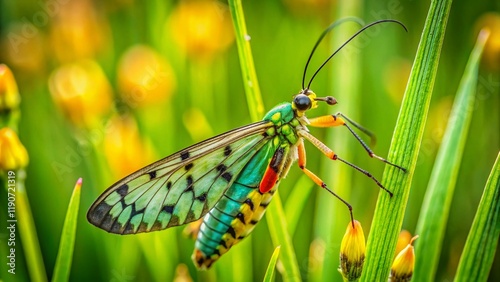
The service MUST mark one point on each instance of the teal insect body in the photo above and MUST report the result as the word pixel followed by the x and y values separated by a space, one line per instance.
pixel 226 181
pixel 243 204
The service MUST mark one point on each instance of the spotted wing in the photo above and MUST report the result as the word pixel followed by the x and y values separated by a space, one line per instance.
pixel 180 188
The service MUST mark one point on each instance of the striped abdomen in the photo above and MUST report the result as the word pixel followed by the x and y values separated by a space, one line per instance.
pixel 236 213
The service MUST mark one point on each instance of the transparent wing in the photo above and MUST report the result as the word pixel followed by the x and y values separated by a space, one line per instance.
pixel 180 188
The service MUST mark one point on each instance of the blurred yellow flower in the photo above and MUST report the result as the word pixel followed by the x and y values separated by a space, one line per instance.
pixel 352 252
pixel 125 151
pixel 9 95
pixel 182 274
pixel 402 267
pixel 78 32
pixel 82 92
pixel 491 53
pixel 24 48
pixel 191 230
pixel 144 77
pixel 13 155
pixel 202 28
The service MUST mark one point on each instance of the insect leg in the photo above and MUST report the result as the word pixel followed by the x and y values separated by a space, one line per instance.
pixel 340 119
pixel 331 155
pixel 302 164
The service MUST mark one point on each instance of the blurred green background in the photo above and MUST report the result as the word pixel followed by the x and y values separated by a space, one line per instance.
pixel 110 86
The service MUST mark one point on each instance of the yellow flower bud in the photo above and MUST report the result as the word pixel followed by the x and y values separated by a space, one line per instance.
pixel 352 252
pixel 403 240
pixel 402 267
pixel 182 274
pixel 9 95
pixel 13 155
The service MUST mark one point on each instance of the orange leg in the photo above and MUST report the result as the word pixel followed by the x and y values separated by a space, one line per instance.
pixel 302 164
pixel 331 155
pixel 339 119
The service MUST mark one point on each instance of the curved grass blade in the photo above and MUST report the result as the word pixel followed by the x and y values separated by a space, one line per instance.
pixel 268 277
pixel 275 213
pixel 405 145
pixel 65 254
pixel 437 202
pixel 480 247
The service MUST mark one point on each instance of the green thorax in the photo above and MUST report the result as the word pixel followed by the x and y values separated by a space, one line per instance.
pixel 285 123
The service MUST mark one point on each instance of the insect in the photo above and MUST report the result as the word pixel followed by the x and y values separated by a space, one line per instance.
pixel 227 180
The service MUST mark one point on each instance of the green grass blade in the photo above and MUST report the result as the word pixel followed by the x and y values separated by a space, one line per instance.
pixel 250 81
pixel 277 227
pixel 275 214
pixel 27 231
pixel 480 247
pixel 272 264
pixel 437 202
pixel 405 145
pixel 65 255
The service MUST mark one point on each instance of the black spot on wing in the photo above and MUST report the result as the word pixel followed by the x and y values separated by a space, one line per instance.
pixel 227 150
pixel 189 181
pixel 168 209
pixel 227 176
pixel 221 168
pixel 169 185
pixel 202 197
pixel 123 190
pixel 152 174
pixel 184 155
pixel 188 166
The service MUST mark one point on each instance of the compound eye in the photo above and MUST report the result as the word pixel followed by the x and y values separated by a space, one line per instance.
pixel 302 102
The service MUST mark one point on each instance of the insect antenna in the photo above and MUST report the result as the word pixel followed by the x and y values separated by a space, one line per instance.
pixel 325 32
